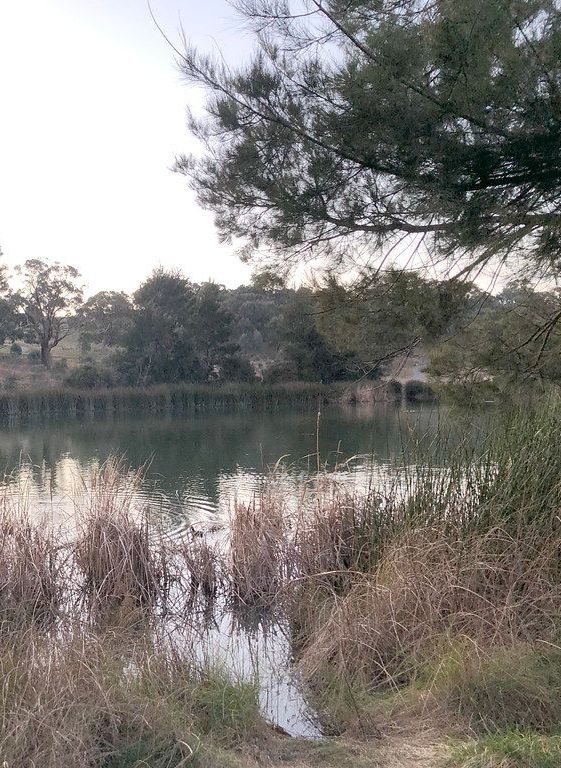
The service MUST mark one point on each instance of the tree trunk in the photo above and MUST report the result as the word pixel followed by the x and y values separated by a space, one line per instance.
pixel 45 355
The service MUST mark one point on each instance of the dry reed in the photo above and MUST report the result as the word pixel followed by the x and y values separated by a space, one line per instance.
pixel 32 562
pixel 492 590
pixel 257 549
pixel 202 561
pixel 336 535
pixel 123 561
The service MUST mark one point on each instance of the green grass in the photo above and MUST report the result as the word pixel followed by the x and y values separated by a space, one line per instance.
pixel 114 701
pixel 518 685
pixel 514 748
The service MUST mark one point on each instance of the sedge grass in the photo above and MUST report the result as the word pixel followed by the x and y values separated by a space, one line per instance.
pixel 162 400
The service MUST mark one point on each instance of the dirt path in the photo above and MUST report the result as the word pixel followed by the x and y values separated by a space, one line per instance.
pixel 406 750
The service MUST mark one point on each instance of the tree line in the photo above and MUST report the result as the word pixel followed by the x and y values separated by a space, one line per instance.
pixel 173 330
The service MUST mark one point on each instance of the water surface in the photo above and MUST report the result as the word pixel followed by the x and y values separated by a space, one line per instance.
pixel 195 467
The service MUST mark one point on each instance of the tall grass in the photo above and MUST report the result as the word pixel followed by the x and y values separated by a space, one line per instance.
pixel 165 399
pixel 119 553
pixel 430 582
pixel 78 700
pixel 463 567
pixel 257 556
pixel 31 571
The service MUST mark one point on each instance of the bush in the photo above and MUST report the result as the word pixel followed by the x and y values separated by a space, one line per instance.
pixel 236 368
pixel 279 372
pixel 15 349
pixel 60 365
pixel 418 392
pixel 10 383
pixel 90 376
pixel 34 356
pixel 395 390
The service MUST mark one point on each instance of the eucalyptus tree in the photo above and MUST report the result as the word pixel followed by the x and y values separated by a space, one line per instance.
pixel 8 308
pixel 105 318
pixel 159 344
pixel 50 295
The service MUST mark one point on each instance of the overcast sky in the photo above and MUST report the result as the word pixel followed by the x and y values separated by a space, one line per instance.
pixel 93 115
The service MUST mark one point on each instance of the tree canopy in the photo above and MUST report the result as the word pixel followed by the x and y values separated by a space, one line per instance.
pixel 363 123
pixel 513 335
pixel 49 296
pixel 105 318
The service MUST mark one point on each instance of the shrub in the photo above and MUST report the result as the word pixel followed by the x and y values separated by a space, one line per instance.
pixel 61 364
pixel 279 372
pixel 34 356
pixel 395 389
pixel 11 383
pixel 15 349
pixel 418 392
pixel 90 376
pixel 236 368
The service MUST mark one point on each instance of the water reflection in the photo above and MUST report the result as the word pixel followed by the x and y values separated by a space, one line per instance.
pixel 196 466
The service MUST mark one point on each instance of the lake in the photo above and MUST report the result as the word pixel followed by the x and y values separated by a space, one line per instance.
pixel 195 467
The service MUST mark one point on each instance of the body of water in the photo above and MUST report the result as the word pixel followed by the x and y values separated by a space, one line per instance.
pixel 195 468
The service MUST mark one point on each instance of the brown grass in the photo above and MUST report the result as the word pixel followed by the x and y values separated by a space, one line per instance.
pixel 202 561
pixel 257 550
pixel 120 555
pixel 78 700
pixel 31 570
pixel 336 536
pixel 428 591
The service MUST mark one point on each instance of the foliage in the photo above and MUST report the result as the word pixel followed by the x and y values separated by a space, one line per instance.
pixel 256 313
pixel 211 328
pixel 90 376
pixel 180 332
pixel 304 348
pixel 384 314
pixel 366 124
pixel 105 319
pixel 158 345
pixel 515 334
pixel 50 294
pixel 8 308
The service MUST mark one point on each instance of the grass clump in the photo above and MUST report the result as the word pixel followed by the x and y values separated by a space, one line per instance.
pixel 257 558
pixel 492 590
pixel 513 748
pixel 338 537
pixel 123 564
pixel 31 566
pixel 516 685
pixel 82 700
pixel 203 563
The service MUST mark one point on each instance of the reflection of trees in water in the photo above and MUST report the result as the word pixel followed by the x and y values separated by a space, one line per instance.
pixel 196 450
